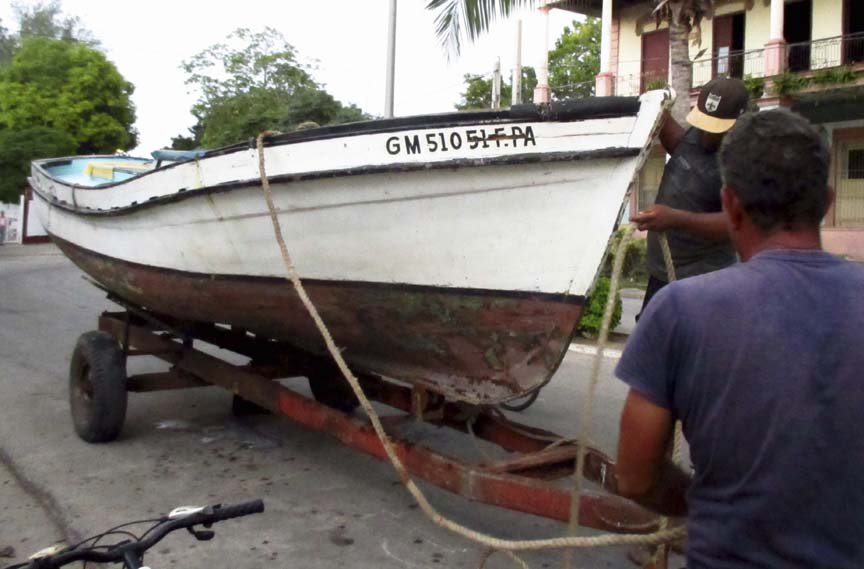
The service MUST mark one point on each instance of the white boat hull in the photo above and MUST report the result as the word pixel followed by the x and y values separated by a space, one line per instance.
pixel 523 218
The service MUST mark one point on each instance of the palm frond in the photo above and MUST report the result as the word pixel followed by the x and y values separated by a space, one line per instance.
pixel 460 19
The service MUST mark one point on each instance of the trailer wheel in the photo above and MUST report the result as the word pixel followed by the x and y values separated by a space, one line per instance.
pixel 522 403
pixel 243 407
pixel 330 388
pixel 97 387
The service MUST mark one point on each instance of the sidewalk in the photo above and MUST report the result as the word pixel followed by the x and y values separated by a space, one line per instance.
pixel 14 250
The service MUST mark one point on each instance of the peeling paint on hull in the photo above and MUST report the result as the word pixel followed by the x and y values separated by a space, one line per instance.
pixel 477 346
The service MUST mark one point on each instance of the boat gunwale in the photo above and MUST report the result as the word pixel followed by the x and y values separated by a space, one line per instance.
pixel 184 193
pixel 568 110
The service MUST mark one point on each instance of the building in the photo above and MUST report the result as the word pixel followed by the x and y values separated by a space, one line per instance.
pixel 804 54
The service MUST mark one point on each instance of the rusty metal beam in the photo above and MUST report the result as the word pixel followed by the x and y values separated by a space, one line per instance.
pixel 493 485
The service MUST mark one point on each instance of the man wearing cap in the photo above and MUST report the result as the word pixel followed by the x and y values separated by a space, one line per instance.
pixel 761 362
pixel 688 207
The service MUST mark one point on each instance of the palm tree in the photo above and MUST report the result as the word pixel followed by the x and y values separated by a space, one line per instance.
pixel 470 18
pixel 685 22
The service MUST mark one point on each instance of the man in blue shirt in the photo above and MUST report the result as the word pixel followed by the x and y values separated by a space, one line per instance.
pixel 763 364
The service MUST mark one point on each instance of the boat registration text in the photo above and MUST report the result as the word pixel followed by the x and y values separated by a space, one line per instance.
pixel 471 139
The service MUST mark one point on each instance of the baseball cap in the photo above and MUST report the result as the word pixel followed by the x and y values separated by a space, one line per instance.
pixel 721 102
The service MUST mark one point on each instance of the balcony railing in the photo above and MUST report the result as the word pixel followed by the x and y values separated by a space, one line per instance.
pixel 738 64
pixel 823 53
pixel 804 56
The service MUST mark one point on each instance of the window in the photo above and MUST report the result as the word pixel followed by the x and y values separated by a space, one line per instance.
pixel 849 207
pixel 855 164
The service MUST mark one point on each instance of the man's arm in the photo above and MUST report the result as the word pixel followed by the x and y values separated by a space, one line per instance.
pixel 671 133
pixel 643 472
pixel 662 218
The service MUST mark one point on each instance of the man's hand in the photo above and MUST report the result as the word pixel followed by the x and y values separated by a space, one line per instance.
pixel 657 218
pixel 660 218
pixel 643 472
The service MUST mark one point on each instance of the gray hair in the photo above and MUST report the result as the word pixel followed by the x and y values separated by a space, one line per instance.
pixel 777 164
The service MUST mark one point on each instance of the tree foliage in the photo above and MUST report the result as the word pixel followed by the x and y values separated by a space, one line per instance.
pixel 458 19
pixel 46 20
pixel 8 44
pixel 71 87
pixel 59 95
pixel 254 82
pixel 575 61
pixel 478 90
pixel 19 147
pixel 573 65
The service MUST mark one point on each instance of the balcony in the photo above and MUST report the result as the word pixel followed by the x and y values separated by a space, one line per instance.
pixel 807 59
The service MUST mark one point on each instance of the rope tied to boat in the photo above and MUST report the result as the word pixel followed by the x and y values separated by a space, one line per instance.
pixel 588 407
pixel 505 545
pixel 661 551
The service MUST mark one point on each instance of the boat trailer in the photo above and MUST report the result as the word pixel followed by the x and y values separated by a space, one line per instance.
pixel 529 480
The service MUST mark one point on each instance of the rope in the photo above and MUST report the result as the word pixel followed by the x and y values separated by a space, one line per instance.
pixel 513 557
pixel 588 406
pixel 678 438
pixel 427 508
pixel 667 257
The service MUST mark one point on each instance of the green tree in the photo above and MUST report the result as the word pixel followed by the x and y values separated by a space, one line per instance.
pixel 478 90
pixel 254 82
pixel 71 87
pixel 8 43
pixel 46 20
pixel 575 61
pixel 19 147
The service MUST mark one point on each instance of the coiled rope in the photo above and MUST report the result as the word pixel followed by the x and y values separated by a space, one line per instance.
pixel 490 542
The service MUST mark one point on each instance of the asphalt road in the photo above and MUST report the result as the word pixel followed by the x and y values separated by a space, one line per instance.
pixel 327 506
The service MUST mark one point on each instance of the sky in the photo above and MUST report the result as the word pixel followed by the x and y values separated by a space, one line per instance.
pixel 345 39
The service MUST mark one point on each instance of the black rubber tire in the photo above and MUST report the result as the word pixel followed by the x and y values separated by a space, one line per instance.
pixel 243 407
pixel 330 388
pixel 522 403
pixel 97 387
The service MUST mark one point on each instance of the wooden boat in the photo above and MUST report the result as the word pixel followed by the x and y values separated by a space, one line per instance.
pixel 452 251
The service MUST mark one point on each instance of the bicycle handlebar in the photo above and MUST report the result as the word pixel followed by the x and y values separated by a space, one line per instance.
pixel 206 517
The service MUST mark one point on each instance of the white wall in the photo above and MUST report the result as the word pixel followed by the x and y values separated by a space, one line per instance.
pixel 13 224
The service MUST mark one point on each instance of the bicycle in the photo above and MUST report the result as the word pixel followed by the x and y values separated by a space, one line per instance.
pixel 131 552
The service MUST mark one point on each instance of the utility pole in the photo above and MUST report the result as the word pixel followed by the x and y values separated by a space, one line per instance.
pixel 516 97
pixel 391 62
pixel 496 85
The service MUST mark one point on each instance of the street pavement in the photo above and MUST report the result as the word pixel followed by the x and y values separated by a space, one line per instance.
pixel 327 506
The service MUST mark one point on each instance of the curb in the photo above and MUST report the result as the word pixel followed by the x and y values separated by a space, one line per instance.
pixel 591 350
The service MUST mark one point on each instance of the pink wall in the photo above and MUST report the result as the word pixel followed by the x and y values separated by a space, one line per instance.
pixel 848 242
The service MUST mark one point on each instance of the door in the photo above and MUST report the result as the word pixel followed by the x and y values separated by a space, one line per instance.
pixel 728 56
pixel 853 32
pixel 797 25
pixel 655 60
pixel 849 206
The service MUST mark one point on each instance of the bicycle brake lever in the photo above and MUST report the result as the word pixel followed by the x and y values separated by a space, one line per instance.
pixel 184 511
pixel 201 535
pixel 48 551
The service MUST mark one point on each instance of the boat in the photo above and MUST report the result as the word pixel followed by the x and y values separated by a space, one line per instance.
pixel 454 252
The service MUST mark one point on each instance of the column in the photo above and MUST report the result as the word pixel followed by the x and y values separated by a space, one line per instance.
pixel 605 79
pixel 775 49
